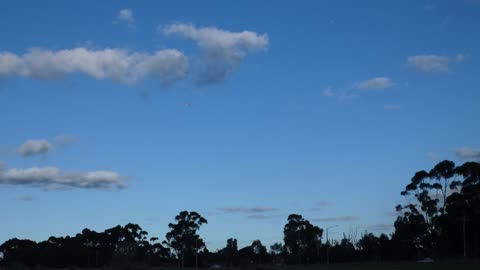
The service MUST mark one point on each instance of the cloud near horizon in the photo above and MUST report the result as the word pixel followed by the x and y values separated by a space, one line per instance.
pixel 52 178
pixel 467 153
pixel 222 50
pixel 248 210
pixel 337 219
pixel 260 216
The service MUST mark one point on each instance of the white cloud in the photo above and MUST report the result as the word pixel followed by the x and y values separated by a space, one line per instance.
pixel 54 178
pixel 64 140
pixel 429 63
pixel 118 65
pixel 222 50
pixel 377 83
pixel 126 16
pixel 467 153
pixel 34 147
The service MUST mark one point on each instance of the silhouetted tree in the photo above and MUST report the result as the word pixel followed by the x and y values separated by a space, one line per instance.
pixel 183 238
pixel 445 206
pixel 230 252
pixel 276 252
pixel 302 239
pixel 369 247
pixel 260 252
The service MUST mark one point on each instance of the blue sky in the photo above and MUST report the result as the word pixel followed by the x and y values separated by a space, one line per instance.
pixel 122 111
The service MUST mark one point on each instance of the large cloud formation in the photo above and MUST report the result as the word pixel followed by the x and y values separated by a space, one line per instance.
pixel 222 50
pixel 115 64
pixel 53 178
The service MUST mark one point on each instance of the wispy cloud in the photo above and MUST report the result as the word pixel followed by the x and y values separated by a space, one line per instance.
pixel 337 219
pixel 328 92
pixel 347 96
pixel 50 178
pixel 354 90
pixel 126 16
pixel 377 83
pixel 321 205
pixel 119 65
pixel 64 140
pixel 434 63
pixel 24 198
pixel 460 57
pixel 222 50
pixel 467 153
pixel 247 210
pixel 34 147
pixel 261 216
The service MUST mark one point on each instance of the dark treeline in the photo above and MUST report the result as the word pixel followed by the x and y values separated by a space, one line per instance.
pixel 440 219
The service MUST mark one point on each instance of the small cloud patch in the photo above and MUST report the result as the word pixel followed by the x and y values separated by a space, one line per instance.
pixel 34 147
pixel 126 16
pixel 24 198
pixel 467 153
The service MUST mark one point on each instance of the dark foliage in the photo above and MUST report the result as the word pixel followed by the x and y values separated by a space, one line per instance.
pixel 441 219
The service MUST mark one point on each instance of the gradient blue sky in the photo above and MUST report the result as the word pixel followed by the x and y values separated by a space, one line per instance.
pixel 329 119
